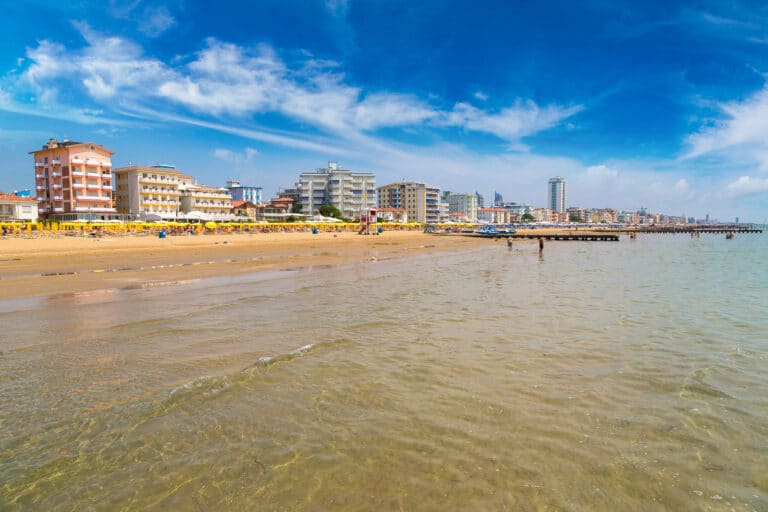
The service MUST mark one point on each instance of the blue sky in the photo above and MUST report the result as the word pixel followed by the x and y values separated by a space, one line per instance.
pixel 662 105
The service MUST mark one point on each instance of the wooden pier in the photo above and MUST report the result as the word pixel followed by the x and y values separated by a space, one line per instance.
pixel 565 237
pixel 718 230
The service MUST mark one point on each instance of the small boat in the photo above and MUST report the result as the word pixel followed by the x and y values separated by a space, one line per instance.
pixel 729 236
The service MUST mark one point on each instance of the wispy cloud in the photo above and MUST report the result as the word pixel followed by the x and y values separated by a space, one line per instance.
pixel 747 186
pixel 224 79
pixel 739 134
pixel 234 157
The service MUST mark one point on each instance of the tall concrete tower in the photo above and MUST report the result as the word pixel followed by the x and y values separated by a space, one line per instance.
pixel 556 196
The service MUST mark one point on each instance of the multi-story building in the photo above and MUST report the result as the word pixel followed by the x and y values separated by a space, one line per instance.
pixel 15 207
pixel 73 180
pixel 203 201
pixel 148 192
pixel 243 192
pixel 556 196
pixel 420 201
pixel 464 204
pixel 350 192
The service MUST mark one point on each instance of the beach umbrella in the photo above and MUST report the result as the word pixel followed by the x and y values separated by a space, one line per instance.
pixel 210 225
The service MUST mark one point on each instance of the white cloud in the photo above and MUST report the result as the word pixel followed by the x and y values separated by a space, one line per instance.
pixel 479 95
pixel 601 172
pixel 233 157
pixel 747 186
pixel 337 7
pixel 156 20
pixel 740 136
pixel 522 119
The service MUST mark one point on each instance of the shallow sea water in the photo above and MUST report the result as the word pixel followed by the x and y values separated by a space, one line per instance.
pixel 600 376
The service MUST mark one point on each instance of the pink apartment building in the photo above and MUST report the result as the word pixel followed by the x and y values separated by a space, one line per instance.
pixel 73 181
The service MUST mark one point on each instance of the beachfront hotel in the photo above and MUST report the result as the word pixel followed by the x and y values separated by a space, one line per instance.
pixel 148 192
pixel 556 196
pixel 73 181
pixel 244 192
pixel 420 201
pixel 350 192
pixel 204 202
pixel 162 192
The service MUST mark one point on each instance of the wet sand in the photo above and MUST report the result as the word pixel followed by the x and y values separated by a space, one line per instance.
pixel 55 265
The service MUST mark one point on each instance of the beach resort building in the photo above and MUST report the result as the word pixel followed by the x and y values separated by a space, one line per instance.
pixel 203 202
pixel 148 192
pixel 391 215
pixel 556 194
pixel 349 191
pixel 243 192
pixel 14 207
pixel 420 201
pixel 73 181
pixel 464 204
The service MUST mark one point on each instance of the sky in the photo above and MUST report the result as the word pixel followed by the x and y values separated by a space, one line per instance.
pixel 660 105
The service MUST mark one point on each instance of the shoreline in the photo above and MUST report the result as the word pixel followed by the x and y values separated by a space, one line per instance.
pixel 52 266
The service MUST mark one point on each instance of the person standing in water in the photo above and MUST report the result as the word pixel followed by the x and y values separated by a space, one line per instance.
pixel 541 244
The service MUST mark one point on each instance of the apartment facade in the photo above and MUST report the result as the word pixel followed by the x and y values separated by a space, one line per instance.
pixel 463 204
pixel 73 181
pixel 146 192
pixel 420 201
pixel 351 192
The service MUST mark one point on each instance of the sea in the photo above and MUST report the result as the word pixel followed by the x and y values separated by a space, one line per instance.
pixel 595 376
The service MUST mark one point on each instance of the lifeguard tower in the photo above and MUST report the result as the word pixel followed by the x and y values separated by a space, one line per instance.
pixel 368 222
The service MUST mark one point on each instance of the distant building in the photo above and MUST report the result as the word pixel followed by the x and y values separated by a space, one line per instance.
pixel 494 215
pixel 480 200
pixel 350 192
pixel 556 197
pixel 73 180
pixel 14 207
pixel 498 199
pixel 148 192
pixel 391 215
pixel 420 201
pixel 465 205
pixel 244 193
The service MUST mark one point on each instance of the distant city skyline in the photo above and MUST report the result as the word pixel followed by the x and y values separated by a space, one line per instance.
pixel 655 105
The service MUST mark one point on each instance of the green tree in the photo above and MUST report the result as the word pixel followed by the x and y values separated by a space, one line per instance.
pixel 575 218
pixel 296 207
pixel 527 217
pixel 328 210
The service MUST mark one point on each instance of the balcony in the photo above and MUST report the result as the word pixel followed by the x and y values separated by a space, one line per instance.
pixel 106 187
pixel 57 209
pixel 91 162
pixel 93 174
pixel 40 176
pixel 93 198
pixel 41 187
pixel 93 186
pixel 56 161
pixel 78 185
pixel 77 173
pixel 106 164
pixel 57 185
pixel 39 164
pixel 56 174
pixel 57 198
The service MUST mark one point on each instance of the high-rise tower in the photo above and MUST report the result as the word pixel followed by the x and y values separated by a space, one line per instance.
pixel 556 199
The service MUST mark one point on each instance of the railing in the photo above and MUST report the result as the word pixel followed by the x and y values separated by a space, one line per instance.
pixel 56 162
pixel 91 161
pixel 39 164
pixel 93 198
pixel 78 185
pixel 41 187
pixel 77 173
pixel 40 176
pixel 93 174
pixel 106 164
pixel 56 174
pixel 57 198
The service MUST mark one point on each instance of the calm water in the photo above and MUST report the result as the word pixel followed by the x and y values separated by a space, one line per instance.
pixel 603 376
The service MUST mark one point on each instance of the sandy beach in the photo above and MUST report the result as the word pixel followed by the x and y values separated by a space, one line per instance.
pixel 55 265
